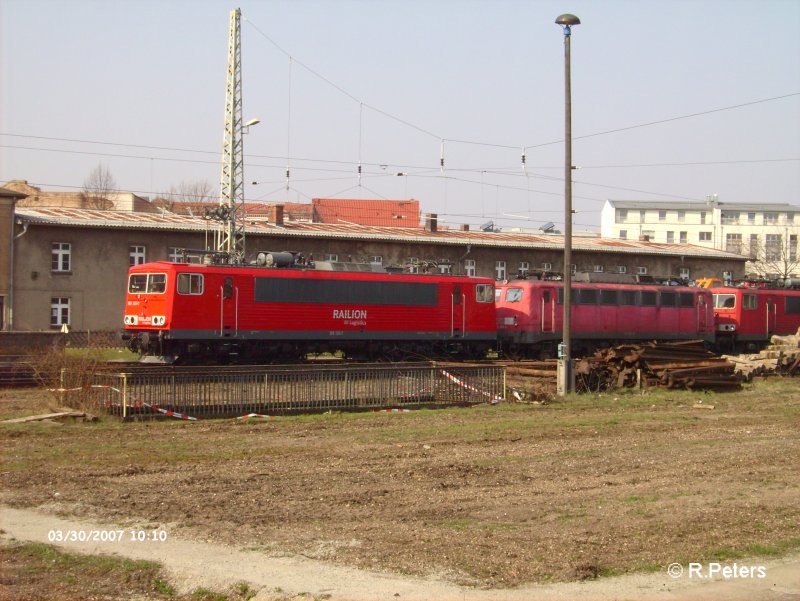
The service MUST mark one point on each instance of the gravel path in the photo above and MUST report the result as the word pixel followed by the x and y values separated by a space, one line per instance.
pixel 194 564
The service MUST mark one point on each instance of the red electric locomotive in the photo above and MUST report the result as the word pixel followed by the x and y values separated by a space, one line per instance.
pixel 530 315
pixel 748 317
pixel 190 312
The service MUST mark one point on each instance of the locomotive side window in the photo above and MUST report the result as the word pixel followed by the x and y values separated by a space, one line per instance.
pixel 792 306
pixel 497 295
pixel 608 297
pixel 586 296
pixel 669 299
pixel 147 283
pixel 227 289
pixel 484 293
pixel 514 295
pixel 627 297
pixel 648 298
pixel 686 299
pixel 724 301
pixel 190 283
pixel 749 301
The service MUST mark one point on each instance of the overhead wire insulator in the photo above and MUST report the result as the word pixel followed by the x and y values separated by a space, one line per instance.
pixel 523 160
pixel 359 174
pixel 287 177
pixel 441 158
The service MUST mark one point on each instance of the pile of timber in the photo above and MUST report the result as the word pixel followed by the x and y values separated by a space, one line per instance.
pixel 684 364
pixel 781 357
pixel 532 381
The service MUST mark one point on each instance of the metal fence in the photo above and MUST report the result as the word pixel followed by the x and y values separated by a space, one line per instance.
pixel 236 391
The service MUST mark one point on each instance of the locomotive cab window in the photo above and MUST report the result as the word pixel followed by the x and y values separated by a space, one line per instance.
pixel 686 299
pixel 147 283
pixel 484 293
pixel 498 294
pixel 724 301
pixel 514 295
pixel 749 301
pixel 190 283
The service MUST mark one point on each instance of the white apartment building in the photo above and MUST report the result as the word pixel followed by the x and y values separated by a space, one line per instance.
pixel 765 233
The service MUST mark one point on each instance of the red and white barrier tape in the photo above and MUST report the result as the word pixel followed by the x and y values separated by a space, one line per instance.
pixel 169 413
pixel 87 387
pixel 492 399
pixel 393 410
pixel 249 415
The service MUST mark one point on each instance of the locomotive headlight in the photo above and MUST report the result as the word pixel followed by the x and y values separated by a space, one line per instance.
pixel 159 320
pixel 131 320
pixel 726 327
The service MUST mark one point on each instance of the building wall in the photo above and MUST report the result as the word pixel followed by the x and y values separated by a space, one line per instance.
pixel 714 226
pixel 6 236
pixel 96 282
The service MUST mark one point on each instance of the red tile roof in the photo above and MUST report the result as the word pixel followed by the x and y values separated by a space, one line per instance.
pixel 382 213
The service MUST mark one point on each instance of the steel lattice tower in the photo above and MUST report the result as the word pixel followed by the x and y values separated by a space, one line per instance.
pixel 230 232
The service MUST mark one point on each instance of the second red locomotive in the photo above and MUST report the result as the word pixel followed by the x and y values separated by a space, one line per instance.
pixel 530 315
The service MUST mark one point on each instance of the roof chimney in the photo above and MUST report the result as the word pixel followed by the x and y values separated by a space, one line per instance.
pixel 431 222
pixel 464 227
pixel 276 214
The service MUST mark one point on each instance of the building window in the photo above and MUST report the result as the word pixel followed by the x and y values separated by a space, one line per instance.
pixel 793 247
pixel 622 215
pixel 413 265
pixel 790 218
pixel 175 254
pixel 684 237
pixel 772 247
pixel 754 246
pixel 670 237
pixel 59 312
pixel 136 254
pixel 702 216
pixel 547 267
pixel 704 236
pixel 60 258
pixel 727 277
pixel 500 270
pixel 684 273
pixel 730 217
pixel 733 243
pixel 751 218
pixel 642 215
pixel 331 258
pixel 770 218
pixel 623 234
pixel 574 269
pixel 598 269
pixel 641 270
pixel 444 267
pixel 649 234
pixel 622 269
pixel 681 216
pixel 377 259
pixel 524 268
pixel 662 215
pixel 469 267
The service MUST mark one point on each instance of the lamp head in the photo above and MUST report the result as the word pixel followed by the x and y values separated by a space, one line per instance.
pixel 568 20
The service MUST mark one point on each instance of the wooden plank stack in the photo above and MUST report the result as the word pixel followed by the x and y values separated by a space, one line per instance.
pixel 781 357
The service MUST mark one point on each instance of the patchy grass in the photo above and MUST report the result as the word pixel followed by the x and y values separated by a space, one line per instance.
pixel 497 496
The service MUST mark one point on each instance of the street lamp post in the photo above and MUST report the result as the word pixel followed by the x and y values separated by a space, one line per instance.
pixel 567 21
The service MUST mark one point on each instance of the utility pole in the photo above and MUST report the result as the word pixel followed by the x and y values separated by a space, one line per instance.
pixel 229 237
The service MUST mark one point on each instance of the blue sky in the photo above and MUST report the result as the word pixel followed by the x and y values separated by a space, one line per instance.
pixel 147 79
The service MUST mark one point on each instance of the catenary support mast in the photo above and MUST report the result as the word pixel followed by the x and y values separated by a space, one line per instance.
pixel 230 231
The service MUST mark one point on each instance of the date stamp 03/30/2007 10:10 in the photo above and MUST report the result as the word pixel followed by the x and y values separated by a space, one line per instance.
pixel 120 535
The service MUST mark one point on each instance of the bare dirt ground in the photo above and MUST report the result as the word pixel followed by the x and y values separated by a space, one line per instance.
pixel 484 501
